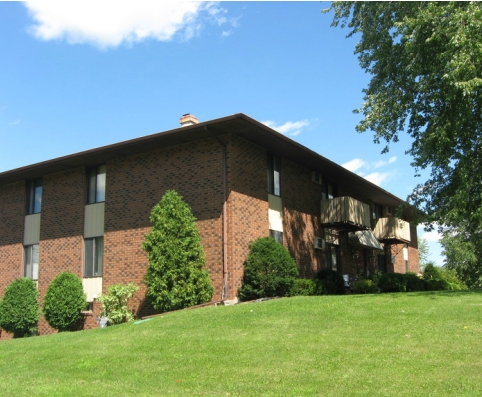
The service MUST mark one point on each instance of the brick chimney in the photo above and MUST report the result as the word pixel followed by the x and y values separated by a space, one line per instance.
pixel 188 119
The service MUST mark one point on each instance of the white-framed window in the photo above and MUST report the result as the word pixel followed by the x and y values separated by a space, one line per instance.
pixel 93 256
pixel 96 179
pixel 274 169
pixel 31 260
pixel 34 196
pixel 278 236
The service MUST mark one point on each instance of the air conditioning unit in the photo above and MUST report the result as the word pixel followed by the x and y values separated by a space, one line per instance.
pixel 319 243
pixel 316 177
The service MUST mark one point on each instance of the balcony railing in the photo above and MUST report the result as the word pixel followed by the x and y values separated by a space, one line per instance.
pixel 392 229
pixel 345 213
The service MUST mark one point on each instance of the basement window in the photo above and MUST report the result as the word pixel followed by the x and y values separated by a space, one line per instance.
pixel 93 256
pixel 31 255
pixel 278 236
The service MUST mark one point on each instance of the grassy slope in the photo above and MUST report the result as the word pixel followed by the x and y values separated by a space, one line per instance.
pixel 379 345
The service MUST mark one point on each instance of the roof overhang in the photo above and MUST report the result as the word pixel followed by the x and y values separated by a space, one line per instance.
pixel 237 124
pixel 365 239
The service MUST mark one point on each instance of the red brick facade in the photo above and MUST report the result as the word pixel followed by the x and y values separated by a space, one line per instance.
pixel 205 172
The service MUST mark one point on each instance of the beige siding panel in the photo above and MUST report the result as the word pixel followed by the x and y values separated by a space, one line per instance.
pixel 31 233
pixel 392 228
pixel 275 213
pixel 92 288
pixel 94 220
pixel 345 210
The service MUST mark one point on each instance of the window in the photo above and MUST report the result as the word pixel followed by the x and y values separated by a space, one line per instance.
pixel 377 211
pixel 274 166
pixel 278 236
pixel 30 266
pixel 93 256
pixel 34 196
pixel 332 257
pixel 328 191
pixel 96 184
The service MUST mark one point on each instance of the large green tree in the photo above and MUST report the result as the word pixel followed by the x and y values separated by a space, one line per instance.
pixel 425 59
pixel 463 253
pixel 176 277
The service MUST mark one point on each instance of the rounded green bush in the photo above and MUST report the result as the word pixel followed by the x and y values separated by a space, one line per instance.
pixel 392 282
pixel 365 287
pixel 64 302
pixel 19 308
pixel 414 283
pixel 332 282
pixel 303 287
pixel 269 270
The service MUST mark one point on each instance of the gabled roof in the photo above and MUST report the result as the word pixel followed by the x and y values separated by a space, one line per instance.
pixel 237 124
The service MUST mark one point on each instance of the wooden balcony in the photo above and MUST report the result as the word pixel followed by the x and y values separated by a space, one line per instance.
pixel 345 213
pixel 392 230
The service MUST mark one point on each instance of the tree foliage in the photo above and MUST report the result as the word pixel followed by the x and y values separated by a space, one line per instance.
pixel 64 302
pixel 423 252
pixel 175 277
pixel 464 255
pixel 19 308
pixel 425 59
pixel 269 270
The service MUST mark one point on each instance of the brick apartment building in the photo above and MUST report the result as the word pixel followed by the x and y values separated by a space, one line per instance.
pixel 88 212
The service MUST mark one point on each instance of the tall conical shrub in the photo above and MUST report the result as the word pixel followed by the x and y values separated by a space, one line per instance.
pixel 175 277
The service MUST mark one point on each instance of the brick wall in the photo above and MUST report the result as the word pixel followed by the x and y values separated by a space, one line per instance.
pixel 136 183
pixel 12 219
pixel 61 229
pixel 247 205
pixel 301 213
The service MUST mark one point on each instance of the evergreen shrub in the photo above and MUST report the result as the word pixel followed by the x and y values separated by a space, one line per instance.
pixel 331 281
pixel 434 280
pixel 64 302
pixel 303 287
pixel 365 287
pixel 176 276
pixel 414 282
pixel 392 282
pixel 269 270
pixel 114 303
pixel 19 308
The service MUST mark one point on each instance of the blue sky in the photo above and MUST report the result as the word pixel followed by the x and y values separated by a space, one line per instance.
pixel 78 75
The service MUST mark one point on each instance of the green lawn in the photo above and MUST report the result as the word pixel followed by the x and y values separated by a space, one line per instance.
pixel 414 344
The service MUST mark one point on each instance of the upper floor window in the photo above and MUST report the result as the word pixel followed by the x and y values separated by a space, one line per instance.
pixel 93 256
pixel 96 184
pixel 34 196
pixel 274 167
pixel 30 265
pixel 328 191
pixel 377 211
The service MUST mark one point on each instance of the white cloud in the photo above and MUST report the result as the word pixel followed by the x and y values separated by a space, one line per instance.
pixel 109 23
pixel 14 122
pixel 378 177
pixel 432 235
pixel 292 128
pixel 382 163
pixel 354 165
